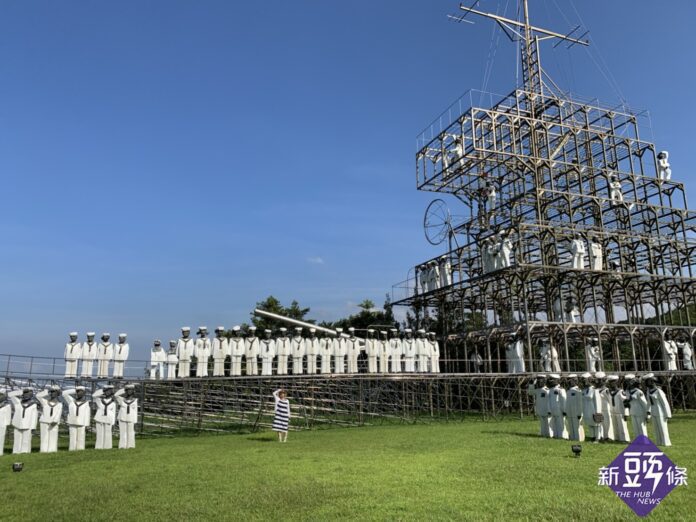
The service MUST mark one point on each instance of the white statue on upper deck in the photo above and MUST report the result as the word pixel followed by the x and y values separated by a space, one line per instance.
pixel 664 172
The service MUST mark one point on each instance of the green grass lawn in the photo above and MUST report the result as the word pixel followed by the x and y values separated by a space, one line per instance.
pixel 470 470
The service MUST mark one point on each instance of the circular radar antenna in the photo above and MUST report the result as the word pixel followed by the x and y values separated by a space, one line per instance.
pixel 437 222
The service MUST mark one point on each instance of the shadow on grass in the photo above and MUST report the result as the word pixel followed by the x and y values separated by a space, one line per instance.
pixel 515 433
pixel 260 439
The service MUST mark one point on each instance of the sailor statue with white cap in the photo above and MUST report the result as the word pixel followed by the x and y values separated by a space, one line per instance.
pixel 409 347
pixel 104 416
pixel 24 419
pixel 283 351
pixel 326 352
pixel 537 389
pixel 5 417
pixel 202 350
pixel 619 412
pixel 339 350
pixel 237 350
pixel 127 416
pixel 49 421
pixel 383 352
pixel 220 352
pixel 557 407
pixel 268 352
pixel 353 351
pixel 313 349
pixel 591 409
pixel 664 170
pixel 669 353
pixel 105 354
pixel 445 271
pixel 371 349
pixel 172 360
pixel 605 400
pixel 422 352
pixel 79 415
pixel 578 250
pixel 659 410
pixel 121 351
pixel 687 353
pixel 574 409
pixel 592 355
pixel 638 407
pixel 73 352
pixel 297 348
pixel 251 352
pixel 158 358
pixel 434 353
pixel 89 354
pixel 184 351
pixel 395 350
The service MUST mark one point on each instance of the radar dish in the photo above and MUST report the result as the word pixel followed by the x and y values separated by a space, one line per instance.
pixel 437 222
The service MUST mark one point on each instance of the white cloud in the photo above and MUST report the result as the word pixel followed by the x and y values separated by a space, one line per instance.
pixel 316 260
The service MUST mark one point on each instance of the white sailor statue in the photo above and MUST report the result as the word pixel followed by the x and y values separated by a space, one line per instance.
pixel 158 358
pixel 283 351
pixel 89 354
pixel 660 410
pixel 605 402
pixel 127 416
pixel 574 409
pixel 49 421
pixel 339 350
pixel 251 352
pixel 664 171
pixel 326 347
pixel 637 404
pixel 591 409
pixel 104 416
pixel 353 351
pixel 434 353
pixel 202 350
pixel 172 360
pixel 395 350
pixel 383 352
pixel 220 352
pixel 578 251
pixel 297 348
pixel 267 351
pixel 313 348
pixel 121 351
pixel 105 354
pixel 409 347
pixel 371 348
pixel 184 352
pixel 619 412
pixel 79 416
pixel 73 352
pixel 237 350
pixel 557 407
pixel 24 419
pixel 5 417
pixel 538 389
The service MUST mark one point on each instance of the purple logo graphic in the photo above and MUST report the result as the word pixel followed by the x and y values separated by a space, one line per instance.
pixel 642 475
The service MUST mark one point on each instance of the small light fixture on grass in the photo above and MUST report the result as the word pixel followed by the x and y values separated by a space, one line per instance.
pixel 17 466
pixel 577 449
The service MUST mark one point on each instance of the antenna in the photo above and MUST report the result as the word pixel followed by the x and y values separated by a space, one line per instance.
pixel 531 36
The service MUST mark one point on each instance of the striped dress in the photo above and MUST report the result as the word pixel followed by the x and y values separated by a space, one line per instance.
pixel 282 414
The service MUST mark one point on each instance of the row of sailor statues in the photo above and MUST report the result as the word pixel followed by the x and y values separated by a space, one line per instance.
pixel 433 275
pixel 104 353
pixel 241 354
pixel 50 407
pixel 602 405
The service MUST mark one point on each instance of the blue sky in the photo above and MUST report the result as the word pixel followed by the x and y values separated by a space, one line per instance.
pixel 173 162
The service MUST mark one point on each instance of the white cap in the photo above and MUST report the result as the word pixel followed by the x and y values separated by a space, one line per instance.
pixel 431 333
pixel 351 329
pixel 203 328
pixel 109 386
pixel 647 376
pixel 573 376
pixel 185 328
pixel 421 331
pixel 91 334
pixel 554 376
pixel 312 330
pixel 106 334
pixel 630 376
pixel 541 376
pixel 267 331
pixel 393 330
pixel 408 330
pixel 80 388
pixel 371 330
pixel 613 378
pixel 123 335
pixel 586 375
pixel 220 329
pixel 157 341
pixel 383 332
pixel 129 386
pixel 283 329
pixel 298 328
pixel 339 330
pixel 73 334
pixel 252 328
pixel 235 328
pixel 54 388
pixel 600 375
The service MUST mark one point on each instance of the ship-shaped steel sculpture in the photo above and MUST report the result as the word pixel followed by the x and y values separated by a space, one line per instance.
pixel 574 236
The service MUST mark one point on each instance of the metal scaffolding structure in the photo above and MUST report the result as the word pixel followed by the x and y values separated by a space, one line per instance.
pixel 563 169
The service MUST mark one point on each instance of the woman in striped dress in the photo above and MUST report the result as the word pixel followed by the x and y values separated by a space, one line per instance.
pixel 282 415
